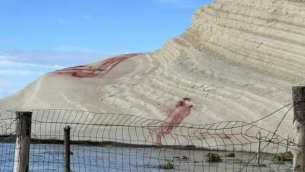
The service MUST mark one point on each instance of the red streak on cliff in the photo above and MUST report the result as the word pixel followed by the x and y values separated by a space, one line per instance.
pixel 95 70
pixel 173 119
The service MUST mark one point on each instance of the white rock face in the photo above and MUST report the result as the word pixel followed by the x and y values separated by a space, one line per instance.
pixel 236 62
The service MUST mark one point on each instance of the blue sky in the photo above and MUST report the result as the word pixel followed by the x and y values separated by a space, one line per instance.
pixel 38 36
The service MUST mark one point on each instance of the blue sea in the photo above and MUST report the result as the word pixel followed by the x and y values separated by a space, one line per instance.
pixel 50 158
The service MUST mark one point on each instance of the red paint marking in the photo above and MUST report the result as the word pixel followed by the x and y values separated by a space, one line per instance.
pixel 274 146
pixel 245 144
pixel 95 70
pixel 181 110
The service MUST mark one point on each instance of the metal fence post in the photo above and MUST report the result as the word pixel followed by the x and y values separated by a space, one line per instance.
pixel 23 141
pixel 298 95
pixel 259 136
pixel 67 148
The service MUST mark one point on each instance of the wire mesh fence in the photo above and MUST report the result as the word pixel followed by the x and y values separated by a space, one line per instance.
pixel 117 142
pixel 7 149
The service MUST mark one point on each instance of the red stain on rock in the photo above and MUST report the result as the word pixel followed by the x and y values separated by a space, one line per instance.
pixel 274 146
pixel 95 70
pixel 245 144
pixel 181 110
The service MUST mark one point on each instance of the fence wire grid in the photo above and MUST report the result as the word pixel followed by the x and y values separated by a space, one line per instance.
pixel 116 142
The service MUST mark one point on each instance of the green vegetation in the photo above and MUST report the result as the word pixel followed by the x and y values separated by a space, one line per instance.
pixel 167 166
pixel 287 156
pixel 212 157
pixel 232 154
pixel 184 157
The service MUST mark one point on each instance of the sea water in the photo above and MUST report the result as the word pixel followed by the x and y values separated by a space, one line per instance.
pixel 50 158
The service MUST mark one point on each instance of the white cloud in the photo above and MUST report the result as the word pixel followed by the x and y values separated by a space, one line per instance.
pixel 49 58
pixel 7 72
pixel 4 83
pixel 7 63
pixel 18 68
pixel 3 92
pixel 7 87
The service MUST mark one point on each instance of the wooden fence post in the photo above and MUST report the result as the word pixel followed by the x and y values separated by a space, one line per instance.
pixel 67 148
pixel 298 95
pixel 259 136
pixel 23 140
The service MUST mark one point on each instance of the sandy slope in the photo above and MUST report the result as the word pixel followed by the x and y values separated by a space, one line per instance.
pixel 237 61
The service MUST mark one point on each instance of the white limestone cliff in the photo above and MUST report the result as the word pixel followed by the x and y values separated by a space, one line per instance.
pixel 237 61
